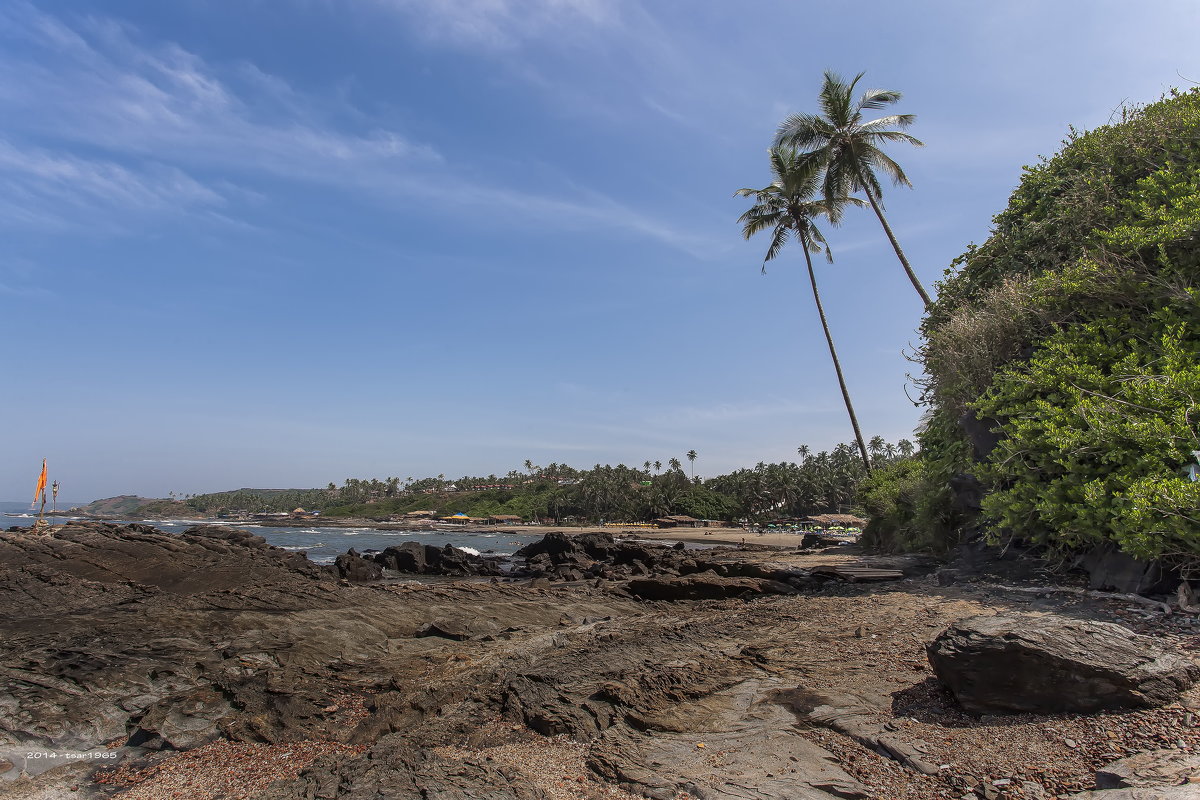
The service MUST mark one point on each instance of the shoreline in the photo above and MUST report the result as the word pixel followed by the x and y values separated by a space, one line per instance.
pixel 703 535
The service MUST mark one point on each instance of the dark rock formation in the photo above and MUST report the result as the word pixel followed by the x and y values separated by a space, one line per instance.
pixel 704 586
pixel 659 572
pixel 360 569
pixel 1052 664
pixel 408 557
pixel 1112 570
pixel 414 558
pixel 563 547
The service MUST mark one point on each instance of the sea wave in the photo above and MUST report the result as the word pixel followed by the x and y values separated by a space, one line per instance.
pixel 302 547
pixel 470 550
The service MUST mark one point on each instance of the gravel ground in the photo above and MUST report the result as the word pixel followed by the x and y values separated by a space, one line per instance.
pixel 554 764
pixel 218 771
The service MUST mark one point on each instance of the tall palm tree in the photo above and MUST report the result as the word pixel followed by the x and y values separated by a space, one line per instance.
pixel 691 456
pixel 787 207
pixel 850 148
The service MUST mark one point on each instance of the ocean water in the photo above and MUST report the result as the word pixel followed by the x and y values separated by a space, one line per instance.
pixel 323 545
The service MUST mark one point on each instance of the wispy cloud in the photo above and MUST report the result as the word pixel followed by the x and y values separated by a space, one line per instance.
pixel 161 99
pixel 54 189
pixel 167 120
pixel 503 24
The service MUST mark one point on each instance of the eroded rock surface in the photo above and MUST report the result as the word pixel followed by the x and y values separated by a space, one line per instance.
pixel 124 635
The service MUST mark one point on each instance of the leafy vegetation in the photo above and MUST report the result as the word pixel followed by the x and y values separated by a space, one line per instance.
pixel 820 483
pixel 1062 353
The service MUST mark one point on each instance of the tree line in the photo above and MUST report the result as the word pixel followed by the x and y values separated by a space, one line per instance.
pixel 819 482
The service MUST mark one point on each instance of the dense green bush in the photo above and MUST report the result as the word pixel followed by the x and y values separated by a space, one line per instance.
pixel 1073 334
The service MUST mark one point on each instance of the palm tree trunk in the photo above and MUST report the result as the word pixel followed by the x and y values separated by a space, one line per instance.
pixel 912 276
pixel 837 365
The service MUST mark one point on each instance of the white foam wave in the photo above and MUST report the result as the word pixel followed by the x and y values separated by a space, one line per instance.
pixel 470 550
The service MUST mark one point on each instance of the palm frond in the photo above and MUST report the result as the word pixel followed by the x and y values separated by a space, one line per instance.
pixel 777 242
pixel 884 163
pixel 897 136
pixel 748 192
pixel 876 99
pixel 891 121
pixel 834 98
pixel 840 179
pixel 832 207
pixel 758 219
pixel 803 131
pixel 814 240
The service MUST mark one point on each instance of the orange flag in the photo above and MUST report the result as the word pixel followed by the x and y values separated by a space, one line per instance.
pixel 40 491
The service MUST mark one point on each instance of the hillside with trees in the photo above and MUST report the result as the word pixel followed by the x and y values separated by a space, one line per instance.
pixel 819 482
pixel 1061 358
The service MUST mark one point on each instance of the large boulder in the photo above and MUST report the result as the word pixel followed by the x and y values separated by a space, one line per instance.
pixel 560 548
pixel 1050 664
pixel 353 567
pixel 408 557
pixel 415 558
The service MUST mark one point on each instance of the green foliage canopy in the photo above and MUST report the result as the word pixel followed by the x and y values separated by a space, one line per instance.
pixel 1073 333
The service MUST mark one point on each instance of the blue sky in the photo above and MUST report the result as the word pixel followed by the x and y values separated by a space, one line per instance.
pixel 279 244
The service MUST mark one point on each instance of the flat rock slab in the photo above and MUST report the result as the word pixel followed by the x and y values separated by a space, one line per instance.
pixel 704 586
pixel 858 574
pixel 743 745
pixel 1143 793
pixel 1051 664
pixel 1152 768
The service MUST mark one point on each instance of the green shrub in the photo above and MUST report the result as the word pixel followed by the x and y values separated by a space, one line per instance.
pixel 1074 329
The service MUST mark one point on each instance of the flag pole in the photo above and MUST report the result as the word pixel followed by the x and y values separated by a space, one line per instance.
pixel 40 491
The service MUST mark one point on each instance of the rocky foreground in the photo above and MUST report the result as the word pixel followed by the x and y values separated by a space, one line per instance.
pixel 138 664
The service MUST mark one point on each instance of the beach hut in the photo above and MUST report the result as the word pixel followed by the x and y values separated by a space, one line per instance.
pixel 834 520
pixel 677 521
pixel 503 519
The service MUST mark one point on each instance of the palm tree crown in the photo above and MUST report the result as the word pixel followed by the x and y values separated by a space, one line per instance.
pixel 849 147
